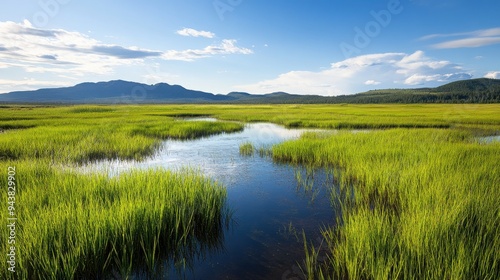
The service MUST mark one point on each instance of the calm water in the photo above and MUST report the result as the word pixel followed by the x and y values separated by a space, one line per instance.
pixel 264 240
pixel 489 139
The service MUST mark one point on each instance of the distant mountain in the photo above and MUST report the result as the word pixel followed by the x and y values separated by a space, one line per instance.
pixel 124 92
pixel 474 85
pixel 112 92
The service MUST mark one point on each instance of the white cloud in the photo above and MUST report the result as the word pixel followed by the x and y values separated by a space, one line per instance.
pixel 43 50
pixel 493 75
pixel 361 73
pixel 195 33
pixel 226 47
pixel 474 39
pixel 29 84
pixel 372 83
pixel 59 52
pixel 478 33
pixel 468 43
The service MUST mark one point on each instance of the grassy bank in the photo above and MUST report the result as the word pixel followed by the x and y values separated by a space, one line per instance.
pixel 72 225
pixel 80 134
pixel 424 204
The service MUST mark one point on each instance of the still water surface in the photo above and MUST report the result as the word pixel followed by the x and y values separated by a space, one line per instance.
pixel 270 209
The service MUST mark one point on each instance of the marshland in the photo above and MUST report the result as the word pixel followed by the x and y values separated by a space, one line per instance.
pixel 304 191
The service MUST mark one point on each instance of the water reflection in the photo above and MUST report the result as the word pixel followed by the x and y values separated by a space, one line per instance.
pixel 272 204
pixel 175 264
pixel 489 139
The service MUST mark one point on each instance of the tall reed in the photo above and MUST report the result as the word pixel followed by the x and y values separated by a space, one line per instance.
pixel 425 204
pixel 74 225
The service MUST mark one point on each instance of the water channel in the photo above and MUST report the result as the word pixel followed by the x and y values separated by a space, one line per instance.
pixel 271 208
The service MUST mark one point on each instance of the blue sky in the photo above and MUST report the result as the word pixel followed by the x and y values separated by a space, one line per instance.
pixel 325 47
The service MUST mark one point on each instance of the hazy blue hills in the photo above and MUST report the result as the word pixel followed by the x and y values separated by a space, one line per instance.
pixel 124 92
pixel 112 92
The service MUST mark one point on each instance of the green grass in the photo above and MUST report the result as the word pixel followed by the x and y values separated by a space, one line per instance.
pixel 74 225
pixel 81 134
pixel 349 116
pixel 425 204
pixel 419 199
pixel 247 149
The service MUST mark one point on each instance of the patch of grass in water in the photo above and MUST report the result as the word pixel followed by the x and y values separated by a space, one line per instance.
pixel 247 149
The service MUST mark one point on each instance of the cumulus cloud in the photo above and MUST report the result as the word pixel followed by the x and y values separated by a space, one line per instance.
pixel 474 39
pixel 28 84
pixel 372 83
pixel 75 54
pixel 361 73
pixel 226 47
pixel 493 75
pixel 61 51
pixel 195 33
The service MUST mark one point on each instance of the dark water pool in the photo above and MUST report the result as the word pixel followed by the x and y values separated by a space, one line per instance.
pixel 270 207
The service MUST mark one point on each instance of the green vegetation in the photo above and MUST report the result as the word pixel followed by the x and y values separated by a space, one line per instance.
pixel 81 134
pixel 305 183
pixel 247 149
pixel 468 91
pixel 419 198
pixel 73 225
pixel 416 204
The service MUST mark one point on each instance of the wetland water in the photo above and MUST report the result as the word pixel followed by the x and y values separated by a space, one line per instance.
pixel 270 208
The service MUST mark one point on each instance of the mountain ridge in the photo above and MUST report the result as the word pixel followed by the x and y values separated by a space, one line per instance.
pixel 480 90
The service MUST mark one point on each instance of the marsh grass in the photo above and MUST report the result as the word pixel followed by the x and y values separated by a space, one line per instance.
pixel 416 203
pixel 305 176
pixel 86 226
pixel 425 204
pixel 265 151
pixel 89 133
pixel 247 149
pixel 91 109
pixel 289 231
pixel 73 225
